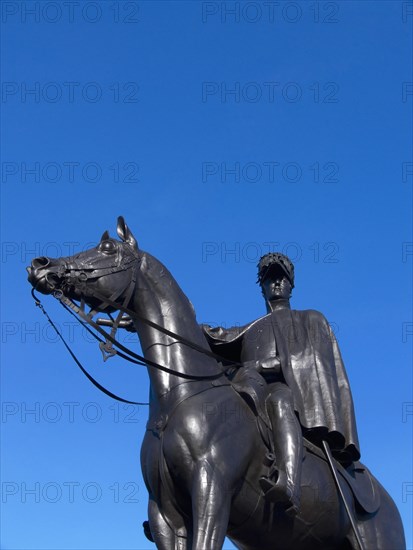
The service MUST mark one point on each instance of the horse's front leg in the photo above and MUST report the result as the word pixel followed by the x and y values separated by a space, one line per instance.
pixel 211 502
pixel 163 531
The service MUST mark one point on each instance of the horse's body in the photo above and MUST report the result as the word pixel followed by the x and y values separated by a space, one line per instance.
pixel 202 454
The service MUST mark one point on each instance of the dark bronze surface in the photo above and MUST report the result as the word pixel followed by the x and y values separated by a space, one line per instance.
pixel 208 468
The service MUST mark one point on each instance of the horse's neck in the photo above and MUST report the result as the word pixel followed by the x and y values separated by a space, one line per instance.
pixel 159 299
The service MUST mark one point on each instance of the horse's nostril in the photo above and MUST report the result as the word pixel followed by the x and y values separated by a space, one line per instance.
pixel 40 262
pixel 52 279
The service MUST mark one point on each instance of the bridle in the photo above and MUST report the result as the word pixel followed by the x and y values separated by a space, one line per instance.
pixel 74 274
pixel 79 276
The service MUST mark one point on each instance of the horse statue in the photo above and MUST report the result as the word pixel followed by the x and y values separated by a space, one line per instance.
pixel 202 455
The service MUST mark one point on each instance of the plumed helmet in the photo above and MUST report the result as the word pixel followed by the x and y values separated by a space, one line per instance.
pixel 269 262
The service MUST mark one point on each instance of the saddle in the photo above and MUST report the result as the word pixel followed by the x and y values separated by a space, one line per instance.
pixel 359 479
pixel 253 389
pixel 251 386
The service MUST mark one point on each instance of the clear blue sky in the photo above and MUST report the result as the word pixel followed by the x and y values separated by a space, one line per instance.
pixel 220 131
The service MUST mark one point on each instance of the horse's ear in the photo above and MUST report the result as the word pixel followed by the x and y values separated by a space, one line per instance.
pixel 105 236
pixel 125 233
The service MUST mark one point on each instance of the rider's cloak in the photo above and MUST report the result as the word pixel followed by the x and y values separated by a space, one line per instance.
pixel 311 365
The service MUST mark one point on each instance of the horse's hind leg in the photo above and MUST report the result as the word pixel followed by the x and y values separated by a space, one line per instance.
pixel 164 533
pixel 210 507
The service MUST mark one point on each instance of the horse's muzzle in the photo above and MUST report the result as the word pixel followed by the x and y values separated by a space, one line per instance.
pixel 44 275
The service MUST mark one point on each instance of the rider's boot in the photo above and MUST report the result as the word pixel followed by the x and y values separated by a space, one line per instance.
pixel 283 484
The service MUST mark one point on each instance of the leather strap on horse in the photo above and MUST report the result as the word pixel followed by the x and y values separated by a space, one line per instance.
pixel 81 274
pixel 106 345
pixel 130 313
pixel 142 360
pixel 88 376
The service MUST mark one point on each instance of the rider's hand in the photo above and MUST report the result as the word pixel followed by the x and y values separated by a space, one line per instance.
pixel 270 365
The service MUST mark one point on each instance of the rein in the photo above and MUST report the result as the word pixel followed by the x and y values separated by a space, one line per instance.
pixel 78 363
pixel 79 275
pixel 106 345
pixel 125 310
pixel 74 274
pixel 67 303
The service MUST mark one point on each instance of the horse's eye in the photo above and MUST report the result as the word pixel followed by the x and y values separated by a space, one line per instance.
pixel 108 246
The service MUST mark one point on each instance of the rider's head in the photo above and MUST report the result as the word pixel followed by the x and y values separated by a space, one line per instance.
pixel 276 276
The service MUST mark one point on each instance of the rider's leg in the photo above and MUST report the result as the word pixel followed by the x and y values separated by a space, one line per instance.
pixel 288 446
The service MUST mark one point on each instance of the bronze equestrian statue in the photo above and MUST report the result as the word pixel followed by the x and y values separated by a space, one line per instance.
pixel 232 447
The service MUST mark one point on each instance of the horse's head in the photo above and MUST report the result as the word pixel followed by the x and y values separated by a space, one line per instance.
pixel 106 271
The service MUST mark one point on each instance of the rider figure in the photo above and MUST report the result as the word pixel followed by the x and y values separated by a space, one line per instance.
pixel 298 356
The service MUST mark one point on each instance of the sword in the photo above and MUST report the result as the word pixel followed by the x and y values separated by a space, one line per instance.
pixel 340 490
